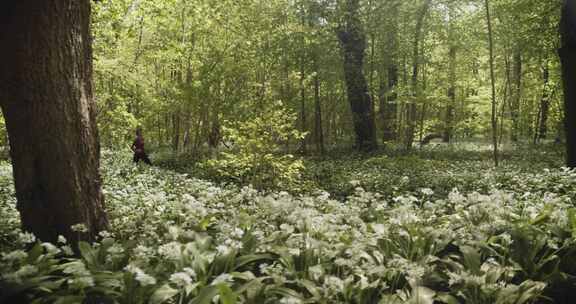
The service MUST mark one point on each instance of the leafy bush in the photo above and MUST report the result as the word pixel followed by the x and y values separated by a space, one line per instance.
pixel 255 154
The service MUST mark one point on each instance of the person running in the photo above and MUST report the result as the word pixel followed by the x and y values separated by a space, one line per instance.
pixel 138 148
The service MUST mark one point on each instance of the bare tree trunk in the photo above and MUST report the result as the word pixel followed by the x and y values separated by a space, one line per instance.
pixel 452 97
pixel 303 122
pixel 412 109
pixel 568 58
pixel 452 75
pixel 493 85
pixel 46 97
pixel 318 132
pixel 516 94
pixel 424 108
pixel 544 104
pixel 176 134
pixel 214 137
pixel 353 42
pixel 388 94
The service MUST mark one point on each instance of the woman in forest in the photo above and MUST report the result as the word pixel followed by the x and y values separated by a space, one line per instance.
pixel 138 148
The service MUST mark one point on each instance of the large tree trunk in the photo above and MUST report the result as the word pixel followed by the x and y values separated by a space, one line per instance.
pixel 353 42
pixel 46 98
pixel 568 58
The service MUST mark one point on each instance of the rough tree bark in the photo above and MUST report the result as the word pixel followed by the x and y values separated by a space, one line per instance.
pixel 353 42
pixel 567 54
pixel 46 98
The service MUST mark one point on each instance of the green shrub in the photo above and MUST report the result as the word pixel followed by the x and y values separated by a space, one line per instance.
pixel 255 155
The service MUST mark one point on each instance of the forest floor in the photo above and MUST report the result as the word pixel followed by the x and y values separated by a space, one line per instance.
pixel 440 225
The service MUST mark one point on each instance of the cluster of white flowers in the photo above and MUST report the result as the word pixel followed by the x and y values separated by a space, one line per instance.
pixel 27 238
pixel 140 276
pixel 24 272
pixel 181 279
pixel 171 251
pixel 368 240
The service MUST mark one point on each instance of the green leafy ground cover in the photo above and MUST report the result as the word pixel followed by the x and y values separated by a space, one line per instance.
pixel 433 227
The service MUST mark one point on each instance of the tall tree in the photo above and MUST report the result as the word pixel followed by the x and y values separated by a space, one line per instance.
pixel 516 93
pixel 412 109
pixel 568 58
pixel 46 98
pixel 494 121
pixel 452 77
pixel 353 42
pixel 542 129
pixel 318 131
pixel 388 90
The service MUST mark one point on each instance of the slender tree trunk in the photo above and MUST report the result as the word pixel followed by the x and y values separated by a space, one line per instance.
pixel 412 108
pixel 493 85
pixel 568 59
pixel 318 132
pixel 214 136
pixel 451 96
pixel 544 104
pixel 452 75
pixel 388 94
pixel 176 134
pixel 516 94
pixel 303 123
pixel 46 97
pixel 353 43
pixel 424 108
pixel 390 108
pixel 139 46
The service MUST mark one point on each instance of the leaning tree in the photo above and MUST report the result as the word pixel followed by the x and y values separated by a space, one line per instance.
pixel 46 98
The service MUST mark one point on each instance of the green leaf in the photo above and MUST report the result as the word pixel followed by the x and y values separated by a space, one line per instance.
pixel 446 298
pixel 206 295
pixel 248 259
pixel 227 296
pixel 311 287
pixel 422 295
pixel 34 253
pixel 69 300
pixel 471 258
pixel 544 216
pixel 86 252
pixel 162 294
pixel 285 292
